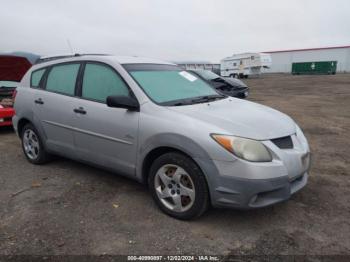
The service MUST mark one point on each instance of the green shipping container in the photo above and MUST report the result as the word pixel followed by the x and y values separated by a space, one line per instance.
pixel 310 68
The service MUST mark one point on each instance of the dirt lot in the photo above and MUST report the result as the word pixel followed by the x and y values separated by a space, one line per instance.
pixel 65 207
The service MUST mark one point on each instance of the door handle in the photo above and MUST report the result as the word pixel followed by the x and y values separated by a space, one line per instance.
pixel 79 110
pixel 39 101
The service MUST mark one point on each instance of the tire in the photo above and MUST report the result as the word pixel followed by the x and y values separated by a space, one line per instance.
pixel 184 194
pixel 32 146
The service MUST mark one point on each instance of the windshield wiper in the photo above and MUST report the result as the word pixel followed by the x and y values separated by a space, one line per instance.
pixel 179 104
pixel 207 98
pixel 189 101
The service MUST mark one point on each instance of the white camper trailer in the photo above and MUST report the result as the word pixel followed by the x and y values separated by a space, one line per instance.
pixel 243 65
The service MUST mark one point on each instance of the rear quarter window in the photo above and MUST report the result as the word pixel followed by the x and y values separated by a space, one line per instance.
pixel 36 77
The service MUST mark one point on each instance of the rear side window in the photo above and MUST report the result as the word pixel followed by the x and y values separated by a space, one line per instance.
pixel 101 81
pixel 62 78
pixel 36 77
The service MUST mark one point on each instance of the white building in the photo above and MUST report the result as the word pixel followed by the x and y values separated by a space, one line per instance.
pixel 192 65
pixel 282 60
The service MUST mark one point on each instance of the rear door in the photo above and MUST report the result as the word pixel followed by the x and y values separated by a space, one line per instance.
pixel 54 105
pixel 103 135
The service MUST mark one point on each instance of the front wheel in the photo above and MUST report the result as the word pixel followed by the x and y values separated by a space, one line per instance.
pixel 178 186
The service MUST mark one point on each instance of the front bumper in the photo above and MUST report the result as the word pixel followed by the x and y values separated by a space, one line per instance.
pixel 6 115
pixel 247 185
pixel 256 193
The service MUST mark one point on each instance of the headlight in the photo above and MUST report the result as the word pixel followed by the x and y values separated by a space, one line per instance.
pixel 247 149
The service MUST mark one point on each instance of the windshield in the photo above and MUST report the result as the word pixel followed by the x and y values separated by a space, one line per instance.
pixel 7 84
pixel 206 74
pixel 170 85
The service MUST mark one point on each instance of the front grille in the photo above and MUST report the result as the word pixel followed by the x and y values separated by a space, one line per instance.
pixel 283 142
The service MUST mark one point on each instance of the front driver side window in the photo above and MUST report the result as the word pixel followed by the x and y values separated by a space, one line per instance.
pixel 101 81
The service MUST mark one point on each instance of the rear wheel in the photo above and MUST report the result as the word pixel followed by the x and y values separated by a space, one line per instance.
pixel 178 186
pixel 32 145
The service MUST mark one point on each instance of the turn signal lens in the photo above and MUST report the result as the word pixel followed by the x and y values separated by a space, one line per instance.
pixel 14 95
pixel 224 141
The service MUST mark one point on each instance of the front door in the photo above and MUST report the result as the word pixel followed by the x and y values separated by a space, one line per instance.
pixel 103 135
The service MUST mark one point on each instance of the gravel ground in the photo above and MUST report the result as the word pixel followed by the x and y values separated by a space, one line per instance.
pixel 66 207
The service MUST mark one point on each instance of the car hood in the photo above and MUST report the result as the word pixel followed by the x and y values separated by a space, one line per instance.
pixel 228 84
pixel 225 86
pixel 235 82
pixel 241 118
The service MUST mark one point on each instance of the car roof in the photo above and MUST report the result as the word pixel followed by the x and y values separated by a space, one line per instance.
pixel 99 58
pixel 139 60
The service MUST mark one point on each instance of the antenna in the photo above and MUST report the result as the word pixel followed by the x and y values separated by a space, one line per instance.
pixel 70 46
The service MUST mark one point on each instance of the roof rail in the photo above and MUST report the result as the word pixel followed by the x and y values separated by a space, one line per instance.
pixel 62 56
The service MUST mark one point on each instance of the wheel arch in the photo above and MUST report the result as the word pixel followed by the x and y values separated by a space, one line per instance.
pixel 165 143
pixel 153 155
pixel 21 124
pixel 31 119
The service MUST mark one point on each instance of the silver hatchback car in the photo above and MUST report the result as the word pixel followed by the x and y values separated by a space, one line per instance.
pixel 153 122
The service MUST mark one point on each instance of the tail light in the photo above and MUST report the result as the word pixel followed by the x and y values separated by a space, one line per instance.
pixel 14 93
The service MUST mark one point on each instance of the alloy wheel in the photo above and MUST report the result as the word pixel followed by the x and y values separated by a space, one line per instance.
pixel 31 144
pixel 174 188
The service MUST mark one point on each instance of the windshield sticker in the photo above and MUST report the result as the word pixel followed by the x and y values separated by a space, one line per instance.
pixel 188 76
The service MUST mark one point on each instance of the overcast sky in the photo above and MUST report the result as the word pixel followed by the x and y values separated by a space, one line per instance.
pixel 173 30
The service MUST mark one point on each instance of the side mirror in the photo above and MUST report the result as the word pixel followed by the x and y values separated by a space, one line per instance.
pixel 126 102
